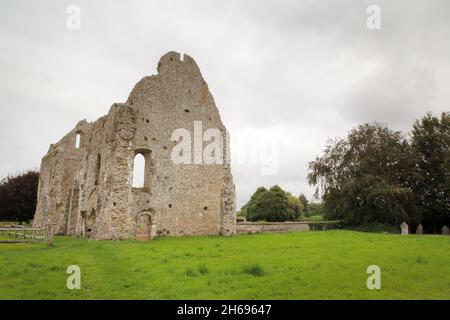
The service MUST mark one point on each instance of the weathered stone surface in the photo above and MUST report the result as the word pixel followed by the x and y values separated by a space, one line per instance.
pixel 87 191
pixel 419 229
pixel 255 227
pixel 404 228
pixel 445 230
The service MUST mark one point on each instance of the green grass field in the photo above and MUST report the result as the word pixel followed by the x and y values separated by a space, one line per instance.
pixel 310 265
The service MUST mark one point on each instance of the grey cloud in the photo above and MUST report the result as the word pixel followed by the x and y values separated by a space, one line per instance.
pixel 309 68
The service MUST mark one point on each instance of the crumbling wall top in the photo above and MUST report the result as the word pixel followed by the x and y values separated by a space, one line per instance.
pixel 174 62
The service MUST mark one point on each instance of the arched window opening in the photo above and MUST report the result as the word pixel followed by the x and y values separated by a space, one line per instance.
pixel 138 171
pixel 97 169
pixel 78 140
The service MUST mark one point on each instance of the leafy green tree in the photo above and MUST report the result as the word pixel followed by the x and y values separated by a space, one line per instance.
pixel 365 177
pixel 305 204
pixel 315 208
pixel 431 144
pixel 297 210
pixel 272 205
pixel 254 199
pixel 18 196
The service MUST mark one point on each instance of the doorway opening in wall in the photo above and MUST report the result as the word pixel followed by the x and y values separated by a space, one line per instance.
pixel 143 226
pixel 97 169
pixel 90 221
pixel 83 223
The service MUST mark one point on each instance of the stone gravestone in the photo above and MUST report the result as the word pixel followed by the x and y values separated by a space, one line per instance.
pixel 419 229
pixel 404 228
pixel 445 230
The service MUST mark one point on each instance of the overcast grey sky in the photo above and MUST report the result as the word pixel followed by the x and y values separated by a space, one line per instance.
pixel 310 70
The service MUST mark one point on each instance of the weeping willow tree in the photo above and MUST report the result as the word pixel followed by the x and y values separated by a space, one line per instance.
pixel 366 177
pixel 431 143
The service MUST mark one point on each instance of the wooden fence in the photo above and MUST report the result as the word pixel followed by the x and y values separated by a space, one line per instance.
pixel 24 234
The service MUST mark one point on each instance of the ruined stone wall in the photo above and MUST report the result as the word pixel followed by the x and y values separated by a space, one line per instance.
pixel 88 191
pixel 187 199
pixel 256 227
pixel 58 174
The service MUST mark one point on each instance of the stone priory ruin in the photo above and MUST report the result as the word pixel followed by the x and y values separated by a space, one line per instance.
pixel 86 179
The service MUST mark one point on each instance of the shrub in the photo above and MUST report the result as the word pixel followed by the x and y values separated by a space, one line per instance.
pixel 375 227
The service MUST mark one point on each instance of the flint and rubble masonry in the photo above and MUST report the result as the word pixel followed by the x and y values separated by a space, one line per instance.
pixel 85 186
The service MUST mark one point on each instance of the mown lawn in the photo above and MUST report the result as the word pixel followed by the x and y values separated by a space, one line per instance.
pixel 311 265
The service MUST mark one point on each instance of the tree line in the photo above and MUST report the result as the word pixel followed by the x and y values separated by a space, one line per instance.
pixel 378 175
pixel 375 175
pixel 18 194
